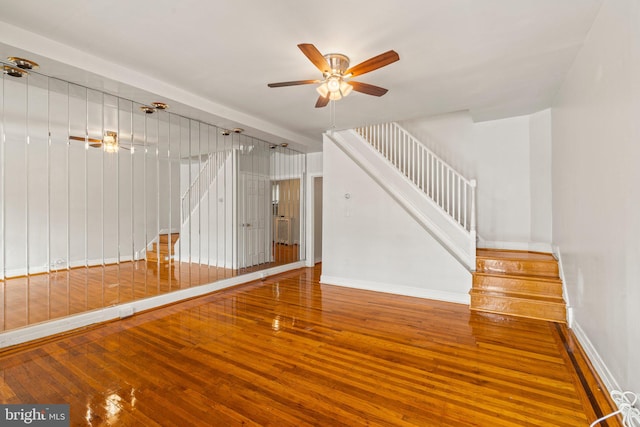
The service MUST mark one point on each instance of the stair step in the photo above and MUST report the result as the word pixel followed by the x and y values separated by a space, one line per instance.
pixel 530 306
pixel 518 283
pixel 516 263
pixel 163 250
pixel 521 284
pixel 165 238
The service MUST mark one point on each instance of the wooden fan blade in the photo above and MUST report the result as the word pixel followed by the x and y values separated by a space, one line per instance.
pixel 322 101
pixel 314 55
pixel 293 83
pixel 374 63
pixel 83 139
pixel 368 89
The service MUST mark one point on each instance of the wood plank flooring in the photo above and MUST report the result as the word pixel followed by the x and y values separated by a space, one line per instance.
pixel 289 351
pixel 38 298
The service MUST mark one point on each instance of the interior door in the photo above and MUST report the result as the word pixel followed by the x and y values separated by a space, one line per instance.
pixel 254 212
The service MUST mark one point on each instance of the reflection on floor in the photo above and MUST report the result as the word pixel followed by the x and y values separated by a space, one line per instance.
pixel 289 351
pixel 37 298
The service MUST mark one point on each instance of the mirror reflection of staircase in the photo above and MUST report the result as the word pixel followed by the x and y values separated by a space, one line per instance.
pixel 163 249
pixel 518 283
pixel 162 252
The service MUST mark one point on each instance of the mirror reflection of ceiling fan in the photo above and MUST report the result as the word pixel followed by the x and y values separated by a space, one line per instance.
pixel 336 80
pixel 109 143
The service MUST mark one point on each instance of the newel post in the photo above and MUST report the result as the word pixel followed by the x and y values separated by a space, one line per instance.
pixel 472 226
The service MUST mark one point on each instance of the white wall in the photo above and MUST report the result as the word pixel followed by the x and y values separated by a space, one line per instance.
pixel 209 234
pixel 596 197
pixel 540 169
pixel 69 205
pixel 511 209
pixel 504 200
pixel 370 242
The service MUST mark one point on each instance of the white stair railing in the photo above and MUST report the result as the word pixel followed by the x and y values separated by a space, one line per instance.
pixel 452 192
pixel 191 198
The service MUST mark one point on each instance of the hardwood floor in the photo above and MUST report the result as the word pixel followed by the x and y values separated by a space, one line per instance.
pixel 289 351
pixel 38 298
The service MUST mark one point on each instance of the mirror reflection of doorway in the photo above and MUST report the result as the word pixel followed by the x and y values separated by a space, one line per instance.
pixel 285 205
pixel 253 203
pixel 317 219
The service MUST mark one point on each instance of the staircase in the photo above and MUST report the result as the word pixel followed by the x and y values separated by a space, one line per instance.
pixel 162 251
pixel 440 199
pixel 518 283
pixel 190 200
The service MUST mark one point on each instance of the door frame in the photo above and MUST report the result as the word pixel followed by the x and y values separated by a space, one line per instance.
pixel 310 219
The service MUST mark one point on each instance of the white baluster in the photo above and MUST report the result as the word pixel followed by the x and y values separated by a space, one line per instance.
pixel 472 227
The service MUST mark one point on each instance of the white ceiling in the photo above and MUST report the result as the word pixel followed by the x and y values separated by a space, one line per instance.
pixel 212 59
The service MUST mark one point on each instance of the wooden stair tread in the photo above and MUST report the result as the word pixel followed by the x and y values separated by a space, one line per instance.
pixel 519 295
pixel 532 308
pixel 514 255
pixel 504 266
pixel 518 283
pixel 163 250
pixel 165 238
pixel 520 276
pixel 523 291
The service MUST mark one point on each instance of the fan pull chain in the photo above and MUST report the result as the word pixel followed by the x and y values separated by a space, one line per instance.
pixel 332 114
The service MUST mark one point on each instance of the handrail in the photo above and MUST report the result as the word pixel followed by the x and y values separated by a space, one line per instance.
pixel 191 198
pixel 452 192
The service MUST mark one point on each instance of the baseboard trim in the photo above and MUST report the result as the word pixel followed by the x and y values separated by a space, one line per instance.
pixel 169 231
pixel 20 272
pixel 594 357
pixel 66 324
pixel 565 291
pixel 397 290
pixel 516 246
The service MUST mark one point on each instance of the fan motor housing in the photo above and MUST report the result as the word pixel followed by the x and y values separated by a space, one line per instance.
pixel 338 62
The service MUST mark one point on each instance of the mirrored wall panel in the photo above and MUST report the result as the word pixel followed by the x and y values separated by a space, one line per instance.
pixel 105 201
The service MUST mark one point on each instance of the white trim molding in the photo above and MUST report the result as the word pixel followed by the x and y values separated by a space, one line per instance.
pixel 598 363
pixel 515 246
pixel 66 324
pixel 310 257
pixel 459 298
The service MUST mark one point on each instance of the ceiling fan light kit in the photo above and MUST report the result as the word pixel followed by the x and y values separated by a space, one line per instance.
pixel 336 74
pixel 110 142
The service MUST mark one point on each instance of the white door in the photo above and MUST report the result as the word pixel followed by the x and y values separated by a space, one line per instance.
pixel 254 226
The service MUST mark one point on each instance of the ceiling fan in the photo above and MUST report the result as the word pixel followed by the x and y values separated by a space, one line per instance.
pixel 109 143
pixel 336 80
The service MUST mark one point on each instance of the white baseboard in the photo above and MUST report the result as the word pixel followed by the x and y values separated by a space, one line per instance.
pixel 42 330
pixel 169 230
pixel 18 272
pixel 516 246
pixel 15 272
pixel 597 362
pixel 565 292
pixel 460 298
